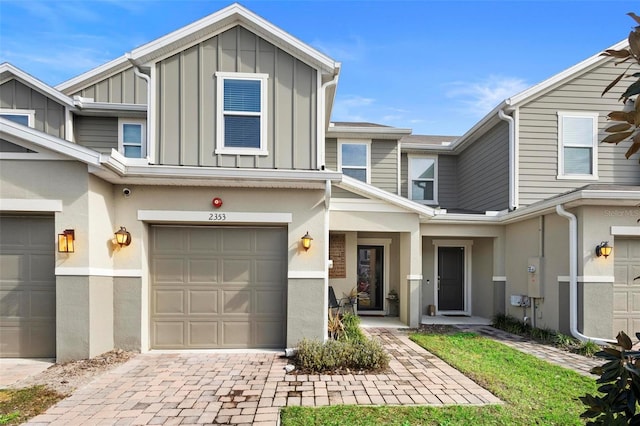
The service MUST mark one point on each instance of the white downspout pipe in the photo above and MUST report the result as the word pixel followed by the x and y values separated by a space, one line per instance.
pixel 321 124
pixel 573 279
pixel 146 78
pixel 512 158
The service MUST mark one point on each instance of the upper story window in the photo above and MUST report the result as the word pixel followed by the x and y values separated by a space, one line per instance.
pixel 242 113
pixel 577 145
pixel 132 137
pixel 354 160
pixel 423 172
pixel 21 116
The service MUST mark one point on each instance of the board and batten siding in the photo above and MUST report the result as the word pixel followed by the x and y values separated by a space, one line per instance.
pixel 49 114
pixel 186 103
pixel 121 88
pixel 483 171
pixel 384 165
pixel 447 180
pixel 538 136
pixel 97 133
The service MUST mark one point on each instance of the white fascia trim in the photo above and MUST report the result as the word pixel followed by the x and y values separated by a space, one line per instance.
pixel 242 15
pixel 103 71
pixel 37 84
pixel 302 275
pixel 188 172
pixel 213 217
pixel 364 205
pixel 347 132
pixel 25 205
pixel 632 231
pixel 44 140
pixel 588 279
pixel 361 188
pixel 98 272
pixel 105 106
pixel 499 278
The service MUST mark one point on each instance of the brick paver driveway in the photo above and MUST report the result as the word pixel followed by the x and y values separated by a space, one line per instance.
pixel 249 388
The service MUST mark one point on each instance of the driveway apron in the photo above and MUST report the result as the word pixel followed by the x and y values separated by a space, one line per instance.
pixel 250 388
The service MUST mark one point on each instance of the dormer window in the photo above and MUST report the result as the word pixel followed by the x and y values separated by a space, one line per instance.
pixel 132 137
pixel 20 116
pixel 241 117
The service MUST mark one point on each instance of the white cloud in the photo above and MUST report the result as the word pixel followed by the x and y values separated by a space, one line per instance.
pixel 479 97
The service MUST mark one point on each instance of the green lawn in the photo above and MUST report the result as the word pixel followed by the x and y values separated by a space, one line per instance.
pixel 19 405
pixel 535 392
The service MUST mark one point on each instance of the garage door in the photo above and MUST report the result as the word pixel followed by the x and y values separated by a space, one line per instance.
pixel 626 291
pixel 218 287
pixel 27 287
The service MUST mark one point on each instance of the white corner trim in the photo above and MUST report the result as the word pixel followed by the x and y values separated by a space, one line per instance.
pixel 23 205
pixel 306 275
pixel 98 272
pixel 213 217
pixel 626 230
pixel 589 278
pixel 414 277
pixel 499 278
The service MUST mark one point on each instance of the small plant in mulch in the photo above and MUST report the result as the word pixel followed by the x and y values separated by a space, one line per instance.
pixel 546 336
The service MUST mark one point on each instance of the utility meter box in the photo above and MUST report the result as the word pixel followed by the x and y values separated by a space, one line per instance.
pixel 534 277
pixel 520 300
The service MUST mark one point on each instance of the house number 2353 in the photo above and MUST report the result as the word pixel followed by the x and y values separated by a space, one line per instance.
pixel 217 216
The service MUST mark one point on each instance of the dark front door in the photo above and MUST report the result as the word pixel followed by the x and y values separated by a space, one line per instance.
pixel 451 278
pixel 370 278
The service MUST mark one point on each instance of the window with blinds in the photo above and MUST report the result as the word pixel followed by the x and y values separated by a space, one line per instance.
pixel 241 114
pixel 577 145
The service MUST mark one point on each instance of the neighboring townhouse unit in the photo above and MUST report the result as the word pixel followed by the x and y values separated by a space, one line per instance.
pixel 212 148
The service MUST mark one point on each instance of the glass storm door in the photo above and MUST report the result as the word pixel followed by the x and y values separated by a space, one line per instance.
pixel 451 279
pixel 370 278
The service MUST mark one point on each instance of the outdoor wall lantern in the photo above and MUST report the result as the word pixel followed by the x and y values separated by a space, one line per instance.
pixel 123 237
pixel 603 249
pixel 306 241
pixel 66 241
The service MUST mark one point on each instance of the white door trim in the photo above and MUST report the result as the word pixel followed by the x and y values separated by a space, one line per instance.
pixel 467 244
pixel 386 244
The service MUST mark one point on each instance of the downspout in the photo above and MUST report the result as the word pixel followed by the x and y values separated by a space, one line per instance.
pixel 321 127
pixel 573 279
pixel 512 158
pixel 137 72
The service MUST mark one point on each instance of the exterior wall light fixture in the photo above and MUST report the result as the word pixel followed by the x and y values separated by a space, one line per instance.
pixel 123 237
pixel 66 241
pixel 306 241
pixel 603 249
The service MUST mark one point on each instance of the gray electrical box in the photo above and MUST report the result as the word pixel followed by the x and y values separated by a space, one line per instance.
pixel 535 287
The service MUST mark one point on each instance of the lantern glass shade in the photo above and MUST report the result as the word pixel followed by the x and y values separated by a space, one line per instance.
pixel 604 249
pixel 123 237
pixel 66 241
pixel 306 241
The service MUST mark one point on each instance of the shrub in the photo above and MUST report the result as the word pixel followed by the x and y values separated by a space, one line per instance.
pixel 334 356
pixel 351 328
pixel 620 384
pixel 588 348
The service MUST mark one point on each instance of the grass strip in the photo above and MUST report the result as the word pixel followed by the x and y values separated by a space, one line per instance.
pixel 19 405
pixel 534 391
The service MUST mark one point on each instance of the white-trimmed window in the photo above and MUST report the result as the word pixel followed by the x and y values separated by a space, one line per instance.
pixel 423 179
pixel 25 117
pixel 354 159
pixel 577 145
pixel 241 113
pixel 132 138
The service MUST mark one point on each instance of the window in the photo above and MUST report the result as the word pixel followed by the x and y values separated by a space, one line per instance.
pixel 423 172
pixel 20 116
pixel 241 118
pixel 353 160
pixel 132 138
pixel 577 145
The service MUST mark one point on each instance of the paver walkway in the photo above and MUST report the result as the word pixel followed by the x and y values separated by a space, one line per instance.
pixel 249 388
pixel 576 362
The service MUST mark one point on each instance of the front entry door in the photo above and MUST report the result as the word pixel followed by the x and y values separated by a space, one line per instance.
pixel 451 279
pixel 370 278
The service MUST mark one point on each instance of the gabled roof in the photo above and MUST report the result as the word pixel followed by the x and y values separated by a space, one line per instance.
pixel 8 71
pixel 193 33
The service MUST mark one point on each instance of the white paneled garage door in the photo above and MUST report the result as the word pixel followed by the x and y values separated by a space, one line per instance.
pixel 218 287
pixel 27 287
pixel 626 290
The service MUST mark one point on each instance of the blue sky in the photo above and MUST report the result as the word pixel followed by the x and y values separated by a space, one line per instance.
pixel 434 66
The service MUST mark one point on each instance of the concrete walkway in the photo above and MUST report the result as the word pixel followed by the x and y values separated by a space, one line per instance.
pixel 250 388
pixel 12 370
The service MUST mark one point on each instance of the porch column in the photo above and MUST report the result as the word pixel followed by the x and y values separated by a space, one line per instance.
pixel 411 272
